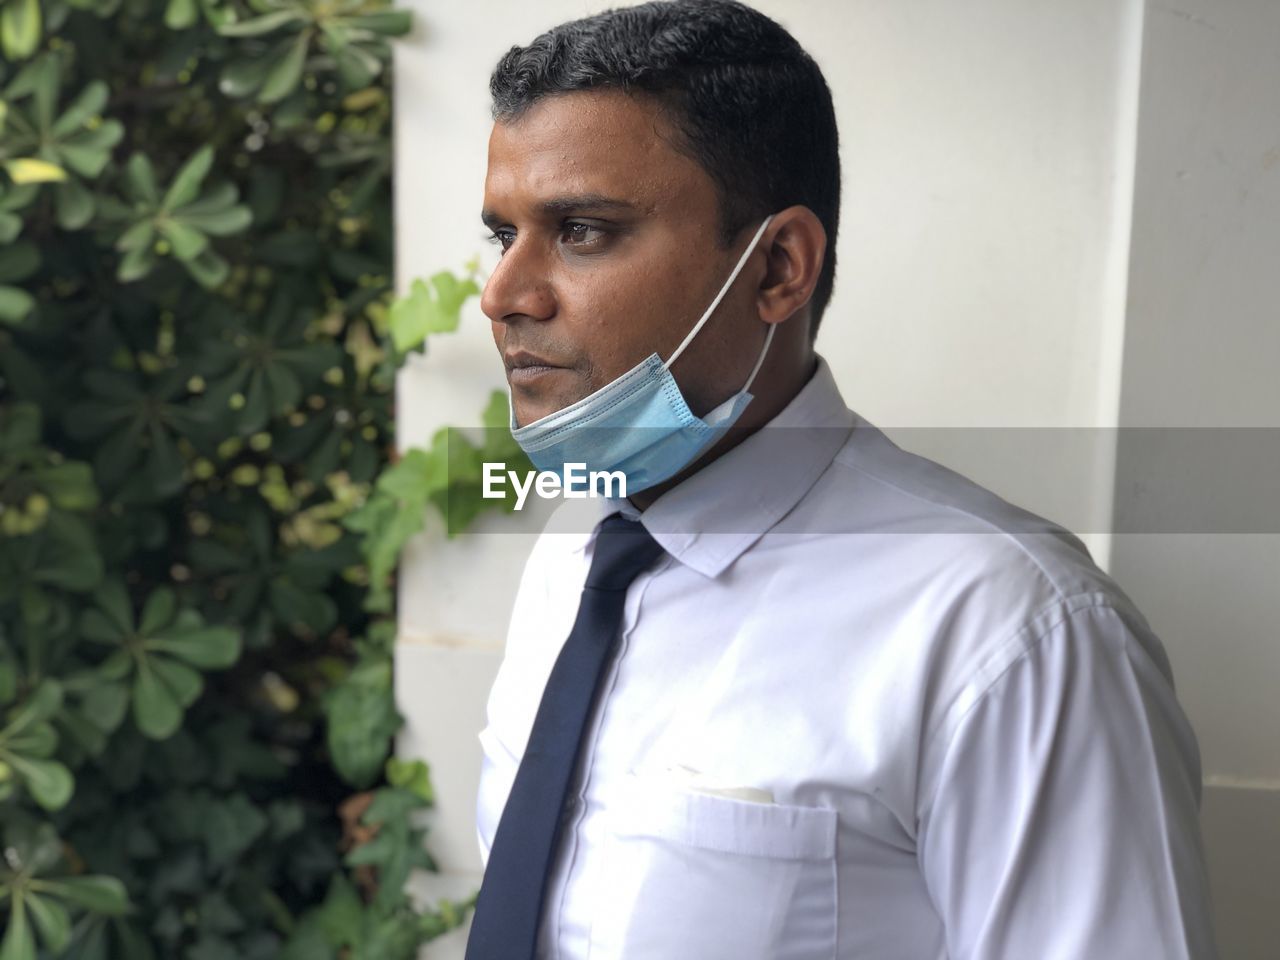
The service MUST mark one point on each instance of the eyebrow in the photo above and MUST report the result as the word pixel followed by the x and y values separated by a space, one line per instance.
pixel 559 206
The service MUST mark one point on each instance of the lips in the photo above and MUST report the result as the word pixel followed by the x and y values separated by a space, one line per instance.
pixel 523 360
pixel 527 371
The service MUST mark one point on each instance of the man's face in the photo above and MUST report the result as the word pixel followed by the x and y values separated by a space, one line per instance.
pixel 611 253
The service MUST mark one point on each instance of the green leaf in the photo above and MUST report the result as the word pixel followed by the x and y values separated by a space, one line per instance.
pixel 230 827
pixel 82 734
pixel 10 227
pixel 187 243
pixel 15 304
pixel 83 108
pixel 49 782
pixel 35 604
pixel 86 161
pixel 69 485
pixel 104 895
pixel 341 914
pixel 186 185
pixel 427 310
pixel 389 23
pixel 39 707
pixel 137 237
pixel 215 200
pixel 117 666
pixel 52 920
pixel 307 942
pixel 219 223
pixel 40 79
pixel 240 78
pixel 286 389
pixel 18 261
pixel 19 944
pixel 336 35
pixel 260 25
pixel 88 151
pixel 113 599
pixel 156 709
pixel 411 775
pixel 99 138
pixel 68 557
pixel 362 719
pixel 96 627
pixel 31 170
pixel 356 67
pixel 74 204
pixel 181 14
pixel 136 264
pixel 158 612
pixel 185 683
pixel 33 846
pixel 285 75
pixel 140 177
pixel 257 408
pixel 39 741
pixel 19 428
pixel 209 648
pixel 20 32
pixel 105 705
pixel 8 680
pixel 208 269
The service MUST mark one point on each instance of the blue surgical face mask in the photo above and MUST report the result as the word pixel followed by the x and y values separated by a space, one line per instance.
pixel 638 424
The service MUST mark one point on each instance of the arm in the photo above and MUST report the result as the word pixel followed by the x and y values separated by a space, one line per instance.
pixel 1062 821
pixel 532 643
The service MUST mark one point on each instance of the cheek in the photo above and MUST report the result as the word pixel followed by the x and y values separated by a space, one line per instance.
pixel 614 317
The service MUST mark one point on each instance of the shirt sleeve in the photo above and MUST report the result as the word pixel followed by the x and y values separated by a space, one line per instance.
pixel 1063 823
pixel 513 699
pixel 497 772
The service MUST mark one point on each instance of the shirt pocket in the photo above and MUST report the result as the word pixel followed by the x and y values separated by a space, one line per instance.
pixel 688 874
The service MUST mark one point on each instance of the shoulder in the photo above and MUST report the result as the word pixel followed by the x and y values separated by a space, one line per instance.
pixel 954 528
pixel 971 582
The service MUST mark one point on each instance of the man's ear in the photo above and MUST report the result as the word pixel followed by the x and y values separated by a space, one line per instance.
pixel 795 245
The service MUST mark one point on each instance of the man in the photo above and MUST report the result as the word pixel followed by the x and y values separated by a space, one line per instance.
pixel 801 694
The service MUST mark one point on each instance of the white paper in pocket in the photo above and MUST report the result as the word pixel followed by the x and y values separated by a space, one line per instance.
pixel 696 780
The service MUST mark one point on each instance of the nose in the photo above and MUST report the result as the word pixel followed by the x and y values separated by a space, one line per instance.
pixel 518 287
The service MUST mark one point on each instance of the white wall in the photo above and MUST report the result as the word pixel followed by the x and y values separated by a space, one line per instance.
pixel 1202 349
pixel 989 165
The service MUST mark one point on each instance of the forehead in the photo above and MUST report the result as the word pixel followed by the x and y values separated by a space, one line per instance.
pixel 600 142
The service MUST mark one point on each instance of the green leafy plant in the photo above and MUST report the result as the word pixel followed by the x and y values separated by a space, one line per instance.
pixel 41 903
pixel 46 143
pixel 349 36
pixel 197 364
pixel 449 475
pixel 182 217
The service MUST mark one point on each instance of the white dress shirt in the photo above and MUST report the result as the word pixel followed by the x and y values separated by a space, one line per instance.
pixel 864 709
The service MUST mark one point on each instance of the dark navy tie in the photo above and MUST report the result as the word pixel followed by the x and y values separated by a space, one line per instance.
pixel 509 908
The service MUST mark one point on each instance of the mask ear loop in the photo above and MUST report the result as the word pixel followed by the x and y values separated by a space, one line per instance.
pixel 742 261
pixel 768 338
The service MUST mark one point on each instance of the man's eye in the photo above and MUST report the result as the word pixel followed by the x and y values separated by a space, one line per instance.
pixel 503 237
pixel 582 234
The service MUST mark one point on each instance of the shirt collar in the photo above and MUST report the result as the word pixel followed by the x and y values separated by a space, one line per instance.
pixel 710 519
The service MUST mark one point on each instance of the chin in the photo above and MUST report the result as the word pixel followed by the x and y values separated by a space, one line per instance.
pixel 528 409
pixel 533 402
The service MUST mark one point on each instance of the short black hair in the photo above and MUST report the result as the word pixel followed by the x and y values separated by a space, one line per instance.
pixel 751 105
